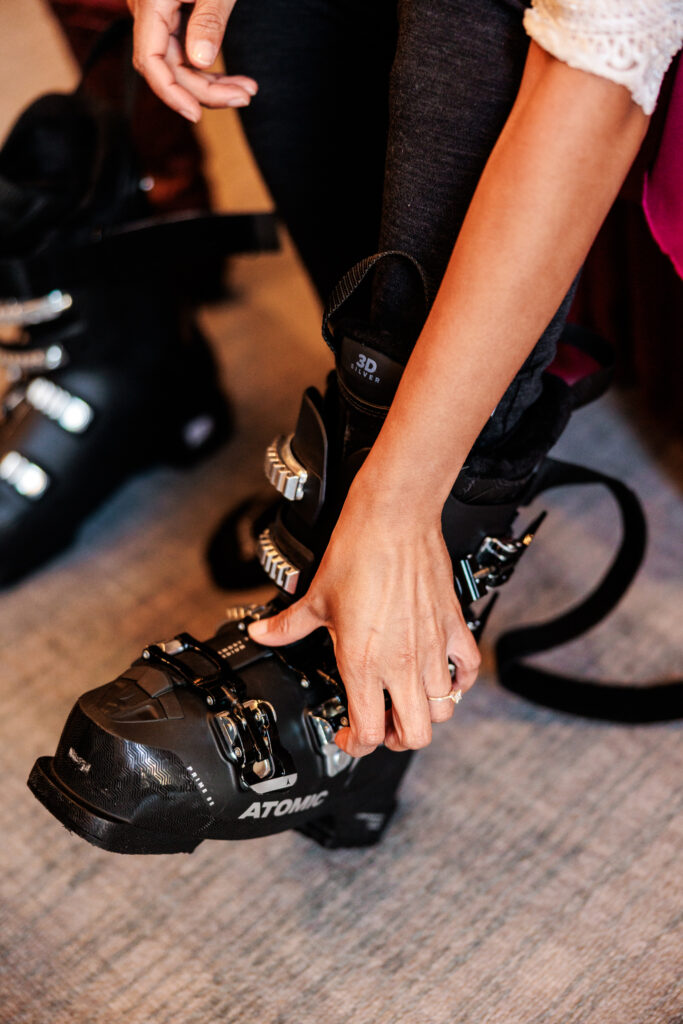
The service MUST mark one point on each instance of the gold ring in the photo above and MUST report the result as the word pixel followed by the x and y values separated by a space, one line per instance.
pixel 455 695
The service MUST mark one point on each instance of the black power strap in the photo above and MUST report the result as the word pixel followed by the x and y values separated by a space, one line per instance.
pixel 655 702
pixel 354 277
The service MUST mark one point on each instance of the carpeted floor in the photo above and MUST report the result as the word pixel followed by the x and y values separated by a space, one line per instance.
pixel 532 875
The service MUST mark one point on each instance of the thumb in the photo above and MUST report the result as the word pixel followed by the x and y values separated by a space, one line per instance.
pixel 205 30
pixel 292 624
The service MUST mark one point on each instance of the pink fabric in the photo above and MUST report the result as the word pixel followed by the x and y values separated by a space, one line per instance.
pixel 571 364
pixel 663 189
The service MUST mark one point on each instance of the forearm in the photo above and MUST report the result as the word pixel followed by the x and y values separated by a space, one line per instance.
pixel 546 189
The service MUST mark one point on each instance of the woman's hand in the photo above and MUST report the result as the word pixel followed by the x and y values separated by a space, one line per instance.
pixel 384 590
pixel 164 42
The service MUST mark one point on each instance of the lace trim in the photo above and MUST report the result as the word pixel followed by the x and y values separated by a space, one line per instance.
pixel 631 42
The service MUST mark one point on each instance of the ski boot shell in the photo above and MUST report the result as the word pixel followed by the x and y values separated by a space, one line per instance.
pixel 228 739
pixel 222 740
pixel 107 375
pixel 232 740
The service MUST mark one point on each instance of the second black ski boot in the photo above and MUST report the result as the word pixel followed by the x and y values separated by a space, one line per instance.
pixel 105 372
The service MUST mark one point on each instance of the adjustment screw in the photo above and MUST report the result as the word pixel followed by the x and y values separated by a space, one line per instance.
pixel 145 654
pixel 242 626
pixel 210 701
pixel 305 683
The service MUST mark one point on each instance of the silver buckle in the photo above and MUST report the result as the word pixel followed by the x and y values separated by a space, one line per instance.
pixel 26 477
pixel 283 469
pixel 277 567
pixel 73 414
pixel 324 722
pixel 27 313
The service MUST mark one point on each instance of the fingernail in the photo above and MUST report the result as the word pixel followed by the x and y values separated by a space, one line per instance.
pixel 251 88
pixel 257 629
pixel 191 115
pixel 203 53
pixel 241 101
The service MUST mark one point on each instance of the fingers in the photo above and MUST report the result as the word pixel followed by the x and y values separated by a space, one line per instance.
pixel 407 730
pixel 292 624
pixel 159 56
pixel 205 30
pixel 411 727
pixel 210 90
pixel 440 684
pixel 156 23
pixel 464 653
pixel 367 717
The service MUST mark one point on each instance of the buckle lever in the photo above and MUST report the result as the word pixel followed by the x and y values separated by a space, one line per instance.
pixel 493 563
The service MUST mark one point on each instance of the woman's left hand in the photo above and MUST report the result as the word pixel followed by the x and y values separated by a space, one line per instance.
pixel 384 590
pixel 175 42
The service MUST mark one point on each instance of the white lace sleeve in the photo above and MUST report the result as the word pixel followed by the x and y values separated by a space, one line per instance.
pixel 631 42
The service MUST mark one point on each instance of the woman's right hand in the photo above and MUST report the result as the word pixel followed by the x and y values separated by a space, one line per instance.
pixel 173 55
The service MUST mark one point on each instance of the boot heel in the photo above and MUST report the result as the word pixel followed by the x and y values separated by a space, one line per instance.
pixel 360 827
pixel 363 814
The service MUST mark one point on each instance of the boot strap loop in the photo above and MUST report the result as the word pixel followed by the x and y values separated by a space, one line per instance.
pixel 354 277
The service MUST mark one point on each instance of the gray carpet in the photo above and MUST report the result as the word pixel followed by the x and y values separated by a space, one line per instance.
pixel 532 875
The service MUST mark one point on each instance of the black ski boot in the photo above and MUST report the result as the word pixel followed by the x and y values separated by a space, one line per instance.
pixel 228 739
pixel 106 373
pixel 217 740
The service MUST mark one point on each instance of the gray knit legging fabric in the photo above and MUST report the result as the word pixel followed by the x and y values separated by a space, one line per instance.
pixel 372 126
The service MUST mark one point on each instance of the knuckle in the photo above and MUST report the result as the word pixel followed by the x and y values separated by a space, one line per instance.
pixel 415 736
pixel 369 735
pixel 420 736
pixel 366 667
pixel 474 659
pixel 406 658
pixel 316 602
pixel 209 20
pixel 441 713
pixel 282 623
pixel 434 642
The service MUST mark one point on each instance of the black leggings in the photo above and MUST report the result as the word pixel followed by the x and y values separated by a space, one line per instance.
pixel 373 123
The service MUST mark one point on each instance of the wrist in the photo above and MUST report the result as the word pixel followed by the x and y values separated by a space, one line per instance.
pixel 401 494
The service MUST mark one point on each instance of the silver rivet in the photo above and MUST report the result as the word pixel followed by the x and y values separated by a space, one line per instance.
pixel 145 654
pixel 237 751
pixel 210 701
pixel 305 683
pixel 241 625
pixel 344 721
